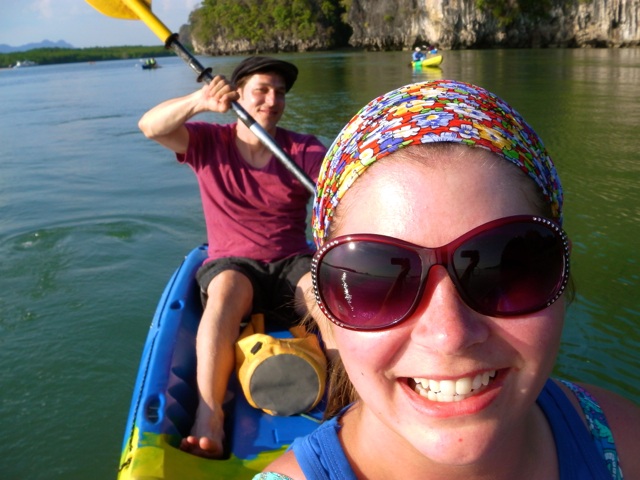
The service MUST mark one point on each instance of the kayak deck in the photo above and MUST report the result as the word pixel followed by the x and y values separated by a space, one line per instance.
pixel 165 400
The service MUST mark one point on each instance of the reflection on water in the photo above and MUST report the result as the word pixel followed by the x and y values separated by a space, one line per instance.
pixel 426 74
pixel 586 332
pixel 95 218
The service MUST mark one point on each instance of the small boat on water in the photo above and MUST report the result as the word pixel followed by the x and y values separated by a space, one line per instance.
pixel 432 61
pixel 165 399
pixel 24 63
pixel 149 64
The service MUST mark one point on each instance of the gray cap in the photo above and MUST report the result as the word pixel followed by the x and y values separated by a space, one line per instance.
pixel 258 64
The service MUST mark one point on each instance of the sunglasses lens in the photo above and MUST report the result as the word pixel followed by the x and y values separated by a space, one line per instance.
pixel 368 285
pixel 510 270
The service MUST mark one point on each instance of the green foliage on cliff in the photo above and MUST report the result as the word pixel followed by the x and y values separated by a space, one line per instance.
pixel 46 56
pixel 506 11
pixel 267 20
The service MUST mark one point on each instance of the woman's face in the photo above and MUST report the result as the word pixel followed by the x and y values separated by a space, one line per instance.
pixel 431 203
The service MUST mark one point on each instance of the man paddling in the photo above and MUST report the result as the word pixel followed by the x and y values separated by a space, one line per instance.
pixel 417 55
pixel 255 214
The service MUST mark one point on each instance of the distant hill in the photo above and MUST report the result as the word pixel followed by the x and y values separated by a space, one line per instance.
pixel 31 46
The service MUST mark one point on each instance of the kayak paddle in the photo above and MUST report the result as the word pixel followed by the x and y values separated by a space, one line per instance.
pixel 141 10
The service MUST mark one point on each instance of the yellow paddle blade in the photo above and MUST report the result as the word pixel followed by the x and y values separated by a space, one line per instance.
pixel 116 8
pixel 133 10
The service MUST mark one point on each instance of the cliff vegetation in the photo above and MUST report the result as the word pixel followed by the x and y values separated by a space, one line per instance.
pixel 232 26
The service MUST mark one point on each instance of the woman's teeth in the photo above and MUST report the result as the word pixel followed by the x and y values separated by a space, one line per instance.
pixel 452 390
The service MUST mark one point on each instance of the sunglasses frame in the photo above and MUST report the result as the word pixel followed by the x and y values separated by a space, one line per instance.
pixel 443 254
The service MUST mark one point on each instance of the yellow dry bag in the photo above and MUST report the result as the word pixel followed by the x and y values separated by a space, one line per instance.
pixel 282 376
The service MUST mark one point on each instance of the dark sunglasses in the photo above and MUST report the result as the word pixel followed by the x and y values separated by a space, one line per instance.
pixel 507 267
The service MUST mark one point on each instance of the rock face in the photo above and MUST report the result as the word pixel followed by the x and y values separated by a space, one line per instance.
pixel 223 46
pixel 401 24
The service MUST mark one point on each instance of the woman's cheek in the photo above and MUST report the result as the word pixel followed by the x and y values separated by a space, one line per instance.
pixel 536 339
pixel 362 351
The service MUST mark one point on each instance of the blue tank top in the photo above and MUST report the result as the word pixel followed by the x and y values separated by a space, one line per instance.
pixel 580 453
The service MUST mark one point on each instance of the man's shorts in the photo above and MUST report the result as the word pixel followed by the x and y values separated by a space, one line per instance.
pixel 274 284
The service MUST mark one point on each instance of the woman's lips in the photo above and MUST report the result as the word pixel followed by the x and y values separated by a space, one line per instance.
pixel 452 390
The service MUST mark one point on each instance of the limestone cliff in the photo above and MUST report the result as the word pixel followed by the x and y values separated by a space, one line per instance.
pixel 450 24
pixel 401 24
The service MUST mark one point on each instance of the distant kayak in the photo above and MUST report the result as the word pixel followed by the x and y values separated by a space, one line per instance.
pixel 428 62
pixel 149 64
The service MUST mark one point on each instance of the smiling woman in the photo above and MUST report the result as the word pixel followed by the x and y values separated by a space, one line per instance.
pixel 439 282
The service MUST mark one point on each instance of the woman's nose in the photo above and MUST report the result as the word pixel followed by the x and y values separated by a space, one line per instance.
pixel 442 321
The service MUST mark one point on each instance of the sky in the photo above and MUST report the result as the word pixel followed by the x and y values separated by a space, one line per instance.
pixel 78 23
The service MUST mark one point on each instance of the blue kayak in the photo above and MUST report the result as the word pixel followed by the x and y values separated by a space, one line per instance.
pixel 165 399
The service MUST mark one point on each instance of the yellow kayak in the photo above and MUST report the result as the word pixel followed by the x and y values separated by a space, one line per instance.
pixel 428 62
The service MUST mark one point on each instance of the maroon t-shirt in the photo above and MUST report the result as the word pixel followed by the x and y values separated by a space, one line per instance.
pixel 258 213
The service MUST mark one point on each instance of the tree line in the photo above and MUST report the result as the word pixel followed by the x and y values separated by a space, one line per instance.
pixel 46 56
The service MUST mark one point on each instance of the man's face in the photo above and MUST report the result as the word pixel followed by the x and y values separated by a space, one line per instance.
pixel 263 96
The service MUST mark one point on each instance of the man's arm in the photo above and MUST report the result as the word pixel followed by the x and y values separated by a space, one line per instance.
pixel 164 123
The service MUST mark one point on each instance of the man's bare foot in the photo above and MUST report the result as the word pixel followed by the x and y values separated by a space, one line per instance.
pixel 202 447
pixel 207 433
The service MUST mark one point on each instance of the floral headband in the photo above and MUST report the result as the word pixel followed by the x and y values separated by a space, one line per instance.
pixel 430 112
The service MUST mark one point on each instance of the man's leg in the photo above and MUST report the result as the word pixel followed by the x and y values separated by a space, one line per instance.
pixel 230 296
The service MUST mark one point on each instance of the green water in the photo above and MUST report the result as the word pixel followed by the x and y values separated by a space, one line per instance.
pixel 94 218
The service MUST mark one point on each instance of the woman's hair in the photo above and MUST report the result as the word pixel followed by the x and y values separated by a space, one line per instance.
pixel 339 390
